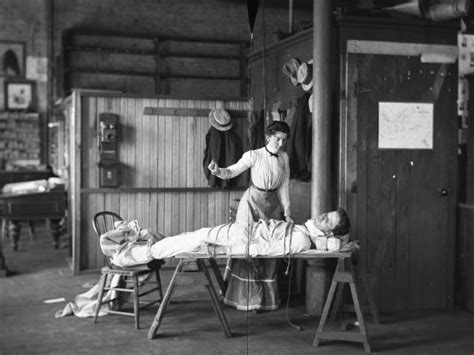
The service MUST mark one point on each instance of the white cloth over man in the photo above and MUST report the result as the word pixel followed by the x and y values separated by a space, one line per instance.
pixel 273 238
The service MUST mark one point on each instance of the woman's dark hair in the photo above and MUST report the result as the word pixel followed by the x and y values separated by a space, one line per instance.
pixel 344 223
pixel 277 126
pixel 11 61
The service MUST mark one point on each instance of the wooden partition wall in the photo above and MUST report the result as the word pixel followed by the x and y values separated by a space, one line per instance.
pixel 161 148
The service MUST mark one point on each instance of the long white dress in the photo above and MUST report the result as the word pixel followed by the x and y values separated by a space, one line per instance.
pixel 253 282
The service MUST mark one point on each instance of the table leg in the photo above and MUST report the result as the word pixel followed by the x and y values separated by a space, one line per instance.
pixel 343 275
pixel 155 325
pixel 3 267
pixel 55 229
pixel 218 275
pixel 215 300
pixel 14 229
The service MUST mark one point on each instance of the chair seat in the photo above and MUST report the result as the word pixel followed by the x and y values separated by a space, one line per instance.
pixel 153 265
pixel 105 221
pixel 129 271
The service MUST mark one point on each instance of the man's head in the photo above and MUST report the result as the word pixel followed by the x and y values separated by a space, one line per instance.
pixel 334 222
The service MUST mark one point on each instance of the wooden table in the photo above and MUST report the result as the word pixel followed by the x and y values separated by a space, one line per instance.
pixel 43 205
pixel 346 272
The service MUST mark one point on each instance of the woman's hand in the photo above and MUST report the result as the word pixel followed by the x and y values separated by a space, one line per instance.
pixel 213 168
pixel 289 219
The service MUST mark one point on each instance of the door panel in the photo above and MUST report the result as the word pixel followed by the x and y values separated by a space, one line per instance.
pixel 401 219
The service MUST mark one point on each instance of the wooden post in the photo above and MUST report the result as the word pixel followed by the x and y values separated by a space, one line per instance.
pixel 320 165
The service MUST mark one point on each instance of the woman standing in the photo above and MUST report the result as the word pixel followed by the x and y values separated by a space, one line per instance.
pixel 253 282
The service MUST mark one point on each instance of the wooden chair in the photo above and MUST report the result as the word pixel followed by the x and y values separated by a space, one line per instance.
pixel 102 222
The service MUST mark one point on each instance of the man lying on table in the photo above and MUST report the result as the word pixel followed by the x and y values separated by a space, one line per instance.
pixel 272 238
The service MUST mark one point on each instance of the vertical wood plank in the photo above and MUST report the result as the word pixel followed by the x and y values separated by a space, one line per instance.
pixel 168 168
pixel 190 147
pixel 153 167
pixel 204 197
pixel 90 144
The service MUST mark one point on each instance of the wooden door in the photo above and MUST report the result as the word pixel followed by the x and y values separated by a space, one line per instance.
pixel 403 191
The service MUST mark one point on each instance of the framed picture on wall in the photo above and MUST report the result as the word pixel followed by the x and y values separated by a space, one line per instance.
pixel 12 59
pixel 20 95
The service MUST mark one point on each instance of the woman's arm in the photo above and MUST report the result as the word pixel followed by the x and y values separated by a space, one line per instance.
pixel 234 170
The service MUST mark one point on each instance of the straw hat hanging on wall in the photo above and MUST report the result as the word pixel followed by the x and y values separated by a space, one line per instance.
pixel 220 119
pixel 290 69
pixel 305 75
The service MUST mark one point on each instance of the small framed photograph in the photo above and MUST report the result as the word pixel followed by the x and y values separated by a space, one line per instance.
pixel 12 57
pixel 20 95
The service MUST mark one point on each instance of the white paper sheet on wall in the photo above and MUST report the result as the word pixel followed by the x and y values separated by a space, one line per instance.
pixel 37 68
pixel 404 125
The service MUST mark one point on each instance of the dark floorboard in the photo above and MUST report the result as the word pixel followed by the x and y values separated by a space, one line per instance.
pixel 28 325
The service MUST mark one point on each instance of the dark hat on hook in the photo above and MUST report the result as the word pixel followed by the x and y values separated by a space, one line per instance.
pixel 290 69
pixel 305 75
pixel 220 119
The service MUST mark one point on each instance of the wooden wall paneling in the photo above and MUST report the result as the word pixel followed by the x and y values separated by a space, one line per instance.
pixel 183 153
pixel 147 163
pixel 358 136
pixel 173 151
pixel 161 146
pixel 161 167
pixel 153 161
pixel 420 237
pixel 84 238
pixel 113 82
pixel 168 168
pixel 89 173
pixel 388 232
pixel 96 203
pixel 349 147
pixel 205 198
pixel 442 248
pixel 197 169
pixel 401 247
pixel 191 165
pixel 133 136
pixel 374 212
pixel 204 87
pixel 139 143
pixel 139 160
pixel 454 176
pixel 204 67
pixel 91 61
pixel 147 147
pixel 202 131
pixel 402 251
pixel 390 183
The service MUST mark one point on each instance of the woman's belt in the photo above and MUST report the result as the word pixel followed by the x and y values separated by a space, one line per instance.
pixel 264 190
